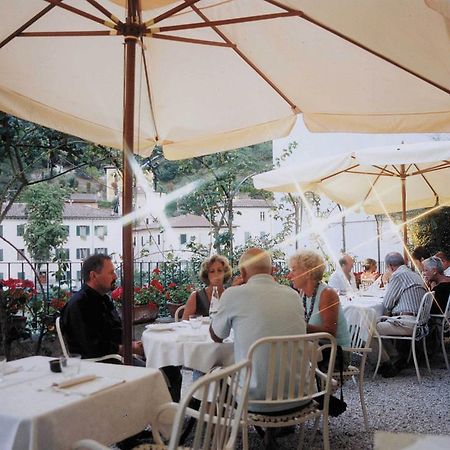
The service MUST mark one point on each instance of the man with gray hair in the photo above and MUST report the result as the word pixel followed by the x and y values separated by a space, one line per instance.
pixel 258 308
pixel 433 272
pixel 445 258
pixel 401 302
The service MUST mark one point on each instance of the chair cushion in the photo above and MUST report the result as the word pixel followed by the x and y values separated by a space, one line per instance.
pixel 272 420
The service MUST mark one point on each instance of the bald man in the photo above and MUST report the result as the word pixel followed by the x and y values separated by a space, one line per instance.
pixel 258 308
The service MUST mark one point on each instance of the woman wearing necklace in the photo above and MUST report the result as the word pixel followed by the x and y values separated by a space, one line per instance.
pixel 323 311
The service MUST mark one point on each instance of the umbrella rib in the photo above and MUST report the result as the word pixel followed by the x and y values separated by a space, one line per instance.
pixel 26 25
pixel 443 165
pixel 372 186
pixel 190 40
pixel 383 169
pixel 66 33
pixel 338 173
pixel 309 19
pixel 247 60
pixel 213 23
pixel 81 13
pixel 170 12
pixel 419 172
pixel 107 13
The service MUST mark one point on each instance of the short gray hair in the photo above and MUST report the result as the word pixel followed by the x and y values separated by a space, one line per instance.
pixel 394 259
pixel 434 262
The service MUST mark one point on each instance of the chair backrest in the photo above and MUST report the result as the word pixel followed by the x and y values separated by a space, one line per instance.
pixel 291 363
pixel 218 421
pixel 62 343
pixel 361 325
pixel 179 313
pixel 423 315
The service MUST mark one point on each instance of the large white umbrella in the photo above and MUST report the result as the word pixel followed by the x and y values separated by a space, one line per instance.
pixel 395 178
pixel 200 76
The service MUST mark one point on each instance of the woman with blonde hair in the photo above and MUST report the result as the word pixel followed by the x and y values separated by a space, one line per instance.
pixel 214 271
pixel 369 270
pixel 323 311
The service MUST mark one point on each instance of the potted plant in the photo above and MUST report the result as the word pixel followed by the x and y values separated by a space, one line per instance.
pixel 177 295
pixel 15 295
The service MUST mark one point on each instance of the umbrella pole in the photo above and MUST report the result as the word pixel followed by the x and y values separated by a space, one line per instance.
pixel 405 228
pixel 127 198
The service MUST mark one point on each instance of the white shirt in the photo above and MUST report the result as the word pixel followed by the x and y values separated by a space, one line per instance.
pixel 257 309
pixel 447 271
pixel 339 281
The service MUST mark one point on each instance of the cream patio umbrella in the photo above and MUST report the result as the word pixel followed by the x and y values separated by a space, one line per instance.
pixel 395 178
pixel 200 76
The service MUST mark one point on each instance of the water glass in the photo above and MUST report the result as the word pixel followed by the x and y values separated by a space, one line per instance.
pixel 2 366
pixel 70 367
pixel 195 321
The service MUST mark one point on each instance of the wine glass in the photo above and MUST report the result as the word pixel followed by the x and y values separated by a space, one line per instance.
pixel 70 366
pixel 195 321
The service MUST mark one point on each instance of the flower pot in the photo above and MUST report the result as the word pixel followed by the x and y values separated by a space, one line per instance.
pixel 172 307
pixel 145 313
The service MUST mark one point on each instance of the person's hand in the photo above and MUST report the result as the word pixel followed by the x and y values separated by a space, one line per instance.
pixel 237 281
pixel 137 348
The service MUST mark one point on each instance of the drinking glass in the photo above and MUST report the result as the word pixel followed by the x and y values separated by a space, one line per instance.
pixel 195 321
pixel 70 366
pixel 2 366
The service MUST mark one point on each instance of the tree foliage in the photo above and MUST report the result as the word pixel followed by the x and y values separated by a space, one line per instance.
pixel 433 231
pixel 31 154
pixel 44 231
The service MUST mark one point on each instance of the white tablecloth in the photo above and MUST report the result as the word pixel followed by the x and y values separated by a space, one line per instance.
pixel 36 417
pixel 179 347
pixel 362 301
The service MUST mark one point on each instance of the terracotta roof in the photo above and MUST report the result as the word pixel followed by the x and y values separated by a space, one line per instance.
pixel 81 197
pixel 252 203
pixel 71 211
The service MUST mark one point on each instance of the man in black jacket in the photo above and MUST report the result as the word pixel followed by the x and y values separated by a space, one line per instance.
pixel 89 321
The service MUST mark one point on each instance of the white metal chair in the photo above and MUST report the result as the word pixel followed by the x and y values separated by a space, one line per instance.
pixel 444 327
pixel 63 345
pixel 88 444
pixel 418 333
pixel 291 378
pixel 223 396
pixel 179 313
pixel 361 323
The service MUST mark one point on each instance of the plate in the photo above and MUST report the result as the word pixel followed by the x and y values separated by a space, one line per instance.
pixel 160 327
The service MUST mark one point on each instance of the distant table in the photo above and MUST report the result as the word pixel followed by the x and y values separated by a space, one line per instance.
pixel 33 416
pixel 180 345
pixel 363 301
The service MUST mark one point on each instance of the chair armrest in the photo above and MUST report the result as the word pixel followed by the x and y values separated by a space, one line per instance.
pixel 155 420
pixel 89 444
pixel 103 358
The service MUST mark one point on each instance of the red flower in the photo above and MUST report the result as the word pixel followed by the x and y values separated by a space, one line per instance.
pixel 156 271
pixel 172 285
pixel 167 295
pixel 157 285
pixel 117 293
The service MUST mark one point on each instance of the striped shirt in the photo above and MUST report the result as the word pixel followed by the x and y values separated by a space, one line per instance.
pixel 404 292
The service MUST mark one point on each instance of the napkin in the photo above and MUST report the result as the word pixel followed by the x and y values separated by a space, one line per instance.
pixel 12 369
pixel 90 386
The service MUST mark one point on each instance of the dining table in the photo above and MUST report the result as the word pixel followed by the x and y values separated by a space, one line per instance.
pixel 178 344
pixel 38 411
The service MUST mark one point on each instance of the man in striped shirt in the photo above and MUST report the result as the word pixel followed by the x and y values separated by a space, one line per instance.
pixel 401 303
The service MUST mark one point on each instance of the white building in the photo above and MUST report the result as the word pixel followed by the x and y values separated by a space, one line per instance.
pixel 91 230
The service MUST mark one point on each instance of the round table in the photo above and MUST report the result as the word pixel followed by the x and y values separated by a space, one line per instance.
pixel 177 344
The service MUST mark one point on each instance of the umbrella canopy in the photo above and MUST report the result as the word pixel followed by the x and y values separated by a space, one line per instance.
pixel 380 179
pixel 213 76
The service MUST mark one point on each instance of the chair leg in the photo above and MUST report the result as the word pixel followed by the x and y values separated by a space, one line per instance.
pixel 444 352
pixel 244 436
pixel 380 348
pixel 426 355
pixel 413 350
pixel 326 432
pixel 361 398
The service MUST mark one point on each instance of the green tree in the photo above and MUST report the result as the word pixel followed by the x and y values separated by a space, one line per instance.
pixel 44 231
pixel 32 154
pixel 433 231
pixel 221 178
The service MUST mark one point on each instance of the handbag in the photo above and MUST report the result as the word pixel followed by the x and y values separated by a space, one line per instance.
pixel 336 406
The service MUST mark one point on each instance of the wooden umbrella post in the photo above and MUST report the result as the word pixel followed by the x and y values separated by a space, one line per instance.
pixel 405 228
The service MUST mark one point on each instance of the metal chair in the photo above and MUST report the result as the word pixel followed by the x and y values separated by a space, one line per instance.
pixel 444 327
pixel 418 333
pixel 179 313
pixel 223 400
pixel 291 363
pixel 63 345
pixel 361 323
